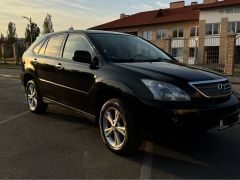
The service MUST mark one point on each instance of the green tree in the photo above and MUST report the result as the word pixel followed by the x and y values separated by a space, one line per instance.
pixel 11 33
pixel 34 31
pixel 2 39
pixel 48 25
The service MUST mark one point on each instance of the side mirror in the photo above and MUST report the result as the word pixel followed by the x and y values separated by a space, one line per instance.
pixel 82 56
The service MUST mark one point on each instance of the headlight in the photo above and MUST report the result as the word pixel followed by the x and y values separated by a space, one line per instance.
pixel 165 91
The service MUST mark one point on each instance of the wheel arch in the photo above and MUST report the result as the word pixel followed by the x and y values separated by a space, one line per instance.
pixel 26 77
pixel 103 93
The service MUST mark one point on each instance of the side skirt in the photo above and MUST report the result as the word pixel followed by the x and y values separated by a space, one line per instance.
pixel 85 114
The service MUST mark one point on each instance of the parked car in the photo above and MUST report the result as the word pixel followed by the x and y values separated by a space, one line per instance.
pixel 126 84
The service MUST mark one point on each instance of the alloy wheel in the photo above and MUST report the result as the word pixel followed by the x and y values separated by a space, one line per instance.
pixel 31 93
pixel 114 128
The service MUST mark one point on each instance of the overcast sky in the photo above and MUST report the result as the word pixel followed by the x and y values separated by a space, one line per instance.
pixel 80 14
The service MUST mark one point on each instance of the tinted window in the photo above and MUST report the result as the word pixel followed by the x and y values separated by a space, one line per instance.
pixel 37 48
pixel 54 45
pixel 76 42
pixel 124 48
pixel 42 50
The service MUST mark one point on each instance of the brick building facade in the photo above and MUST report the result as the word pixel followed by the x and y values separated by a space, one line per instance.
pixel 195 33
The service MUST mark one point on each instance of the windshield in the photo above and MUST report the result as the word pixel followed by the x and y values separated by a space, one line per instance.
pixel 125 48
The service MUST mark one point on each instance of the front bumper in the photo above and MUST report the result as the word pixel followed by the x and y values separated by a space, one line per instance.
pixel 187 115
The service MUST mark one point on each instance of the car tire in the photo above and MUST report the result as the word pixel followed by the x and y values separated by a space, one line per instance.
pixel 117 127
pixel 34 98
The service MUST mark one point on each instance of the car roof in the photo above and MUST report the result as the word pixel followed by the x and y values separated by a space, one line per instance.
pixel 86 32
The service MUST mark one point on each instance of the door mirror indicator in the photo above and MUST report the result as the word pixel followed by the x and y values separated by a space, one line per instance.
pixel 82 56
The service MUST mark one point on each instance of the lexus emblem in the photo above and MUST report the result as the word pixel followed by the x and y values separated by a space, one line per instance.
pixel 221 88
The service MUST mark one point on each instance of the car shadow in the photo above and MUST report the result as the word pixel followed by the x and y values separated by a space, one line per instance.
pixel 209 155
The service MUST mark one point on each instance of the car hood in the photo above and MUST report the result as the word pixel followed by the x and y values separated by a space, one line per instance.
pixel 171 69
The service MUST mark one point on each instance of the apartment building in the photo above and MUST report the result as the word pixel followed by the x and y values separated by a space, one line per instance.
pixel 194 33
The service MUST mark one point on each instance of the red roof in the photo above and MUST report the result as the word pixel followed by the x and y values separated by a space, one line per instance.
pixel 161 16
pixel 224 3
pixel 153 17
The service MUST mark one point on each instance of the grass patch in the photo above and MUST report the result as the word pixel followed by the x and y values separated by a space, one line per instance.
pixel 9 65
pixel 237 72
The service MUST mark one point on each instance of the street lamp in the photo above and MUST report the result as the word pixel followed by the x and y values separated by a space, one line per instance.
pixel 30 22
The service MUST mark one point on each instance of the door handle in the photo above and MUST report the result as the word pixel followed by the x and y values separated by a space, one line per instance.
pixel 59 66
pixel 35 61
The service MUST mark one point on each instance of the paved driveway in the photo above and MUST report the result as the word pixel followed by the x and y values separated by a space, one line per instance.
pixel 61 144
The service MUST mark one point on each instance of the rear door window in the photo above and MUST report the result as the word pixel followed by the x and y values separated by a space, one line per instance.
pixel 38 47
pixel 42 50
pixel 54 45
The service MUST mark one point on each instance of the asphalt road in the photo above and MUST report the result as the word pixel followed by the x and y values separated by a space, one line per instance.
pixel 61 144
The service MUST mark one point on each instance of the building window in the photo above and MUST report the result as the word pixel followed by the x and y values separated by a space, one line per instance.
pixel 194 31
pixel 177 52
pixel 178 32
pixel 234 27
pixel 161 34
pixel 147 35
pixel 192 52
pixel 213 29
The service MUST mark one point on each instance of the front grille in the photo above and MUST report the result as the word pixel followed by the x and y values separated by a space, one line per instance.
pixel 213 89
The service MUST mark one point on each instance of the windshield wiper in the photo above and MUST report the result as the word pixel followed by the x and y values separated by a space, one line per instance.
pixel 130 60
pixel 161 59
pixel 123 60
pixel 156 60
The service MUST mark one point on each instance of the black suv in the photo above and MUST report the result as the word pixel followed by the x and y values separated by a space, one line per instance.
pixel 125 84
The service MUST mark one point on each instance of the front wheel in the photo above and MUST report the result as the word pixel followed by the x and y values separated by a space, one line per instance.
pixel 117 127
pixel 34 98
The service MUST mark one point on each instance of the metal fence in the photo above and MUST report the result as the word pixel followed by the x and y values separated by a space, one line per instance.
pixel 8 50
pixel 208 52
pixel 10 53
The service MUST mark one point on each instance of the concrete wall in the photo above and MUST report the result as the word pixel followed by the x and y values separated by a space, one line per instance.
pixel 216 15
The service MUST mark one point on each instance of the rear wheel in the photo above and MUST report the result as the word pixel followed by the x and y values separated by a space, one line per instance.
pixel 117 127
pixel 34 98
